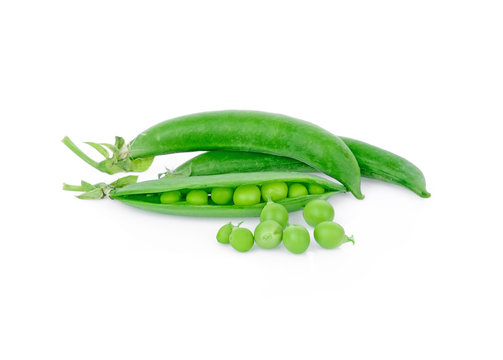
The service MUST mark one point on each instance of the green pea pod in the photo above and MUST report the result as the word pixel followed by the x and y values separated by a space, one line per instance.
pixel 242 131
pixel 375 163
pixel 143 195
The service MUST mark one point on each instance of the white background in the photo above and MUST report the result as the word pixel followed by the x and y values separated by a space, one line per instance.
pixel 98 280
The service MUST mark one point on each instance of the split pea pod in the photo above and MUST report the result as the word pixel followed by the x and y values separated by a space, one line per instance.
pixel 241 131
pixel 146 195
pixel 374 162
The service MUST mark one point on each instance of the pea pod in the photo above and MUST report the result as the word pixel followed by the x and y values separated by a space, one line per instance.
pixel 375 163
pixel 244 131
pixel 145 195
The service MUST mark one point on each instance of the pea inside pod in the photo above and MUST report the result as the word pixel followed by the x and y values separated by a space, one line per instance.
pixel 246 190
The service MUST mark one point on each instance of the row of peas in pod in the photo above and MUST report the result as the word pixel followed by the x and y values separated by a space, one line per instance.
pixel 274 228
pixel 243 195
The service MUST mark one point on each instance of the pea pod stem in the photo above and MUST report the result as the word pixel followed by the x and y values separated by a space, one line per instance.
pixel 68 187
pixel 77 151
pixel 117 162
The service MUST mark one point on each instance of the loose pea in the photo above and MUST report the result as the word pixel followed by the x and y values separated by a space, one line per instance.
pixel 296 239
pixel 296 190
pixel 276 212
pixel 315 189
pixel 268 234
pixel 317 211
pixel 197 197
pixel 221 195
pixel 330 235
pixel 170 197
pixel 241 239
pixel 274 191
pixel 224 233
pixel 246 195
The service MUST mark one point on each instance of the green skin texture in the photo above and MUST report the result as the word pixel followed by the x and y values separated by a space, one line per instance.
pixel 221 196
pixel 136 194
pixel 197 197
pixel 246 195
pixel 268 234
pixel 296 239
pixel 241 239
pixel 276 212
pixel 224 232
pixel 374 162
pixel 297 190
pixel 274 191
pixel 330 235
pixel 170 197
pixel 318 211
pixel 315 189
pixel 255 131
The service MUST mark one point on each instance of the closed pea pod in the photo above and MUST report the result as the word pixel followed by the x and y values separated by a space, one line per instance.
pixel 242 131
pixel 374 162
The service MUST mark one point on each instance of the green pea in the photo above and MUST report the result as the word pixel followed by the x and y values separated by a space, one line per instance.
pixel 241 239
pixel 296 190
pixel 170 197
pixel 197 197
pixel 296 239
pixel 274 191
pixel 315 189
pixel 268 234
pixel 330 235
pixel 317 211
pixel 276 212
pixel 246 195
pixel 222 195
pixel 224 233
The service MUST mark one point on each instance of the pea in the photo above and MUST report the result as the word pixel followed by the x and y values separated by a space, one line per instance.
pixel 170 197
pixel 268 234
pixel 224 233
pixel 197 197
pixel 296 190
pixel 330 235
pixel 241 239
pixel 315 189
pixel 276 212
pixel 317 211
pixel 246 195
pixel 274 191
pixel 296 239
pixel 221 195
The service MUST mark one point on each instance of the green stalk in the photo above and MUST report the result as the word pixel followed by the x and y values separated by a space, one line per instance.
pixel 69 187
pixel 69 143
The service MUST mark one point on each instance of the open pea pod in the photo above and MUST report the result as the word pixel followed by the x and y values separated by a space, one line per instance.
pixel 146 195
